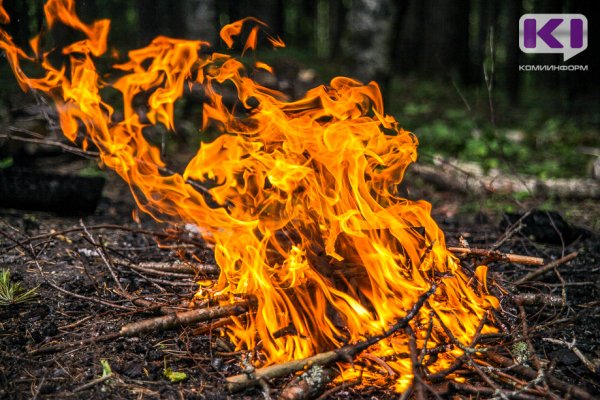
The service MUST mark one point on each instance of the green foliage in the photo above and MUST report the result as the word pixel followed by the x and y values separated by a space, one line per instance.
pixel 174 376
pixel 91 171
pixel 533 139
pixel 6 162
pixel 13 292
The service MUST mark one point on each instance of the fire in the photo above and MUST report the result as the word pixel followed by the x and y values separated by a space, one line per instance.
pixel 302 205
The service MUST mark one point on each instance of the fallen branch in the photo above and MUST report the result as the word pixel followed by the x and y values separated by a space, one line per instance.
pixel 497 255
pixel 490 392
pixel 308 385
pixel 546 268
pixel 470 178
pixel 175 320
pixel 92 383
pixel 571 346
pixel 537 299
pixel 346 353
pixel 164 322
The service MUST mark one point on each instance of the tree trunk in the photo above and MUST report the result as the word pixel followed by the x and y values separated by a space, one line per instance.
pixel 447 39
pixel 511 46
pixel 366 45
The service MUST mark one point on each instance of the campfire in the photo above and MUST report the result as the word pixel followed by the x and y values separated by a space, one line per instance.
pixel 299 197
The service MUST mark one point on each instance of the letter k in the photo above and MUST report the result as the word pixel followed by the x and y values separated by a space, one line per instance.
pixel 545 33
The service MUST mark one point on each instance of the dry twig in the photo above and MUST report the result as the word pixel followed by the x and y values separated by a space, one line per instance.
pixel 346 353
pixel 546 268
pixel 497 255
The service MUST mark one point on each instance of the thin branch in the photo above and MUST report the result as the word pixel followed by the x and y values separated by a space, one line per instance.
pixel 346 353
pixel 498 256
pixel 546 268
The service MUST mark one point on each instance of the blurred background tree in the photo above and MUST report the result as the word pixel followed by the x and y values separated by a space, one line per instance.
pixel 431 58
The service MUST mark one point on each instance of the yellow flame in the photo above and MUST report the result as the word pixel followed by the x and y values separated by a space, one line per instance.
pixel 303 207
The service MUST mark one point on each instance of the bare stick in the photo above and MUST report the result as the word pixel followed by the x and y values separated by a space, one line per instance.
pixel 184 318
pixel 310 384
pixel 497 255
pixel 546 268
pixel 532 374
pixel 491 392
pixel 101 250
pixel 417 378
pixel 346 353
pixel 92 383
pixel 536 299
pixel 160 323
pixel 571 346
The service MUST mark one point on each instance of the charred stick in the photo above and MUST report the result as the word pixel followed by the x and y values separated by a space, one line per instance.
pixel 546 268
pixel 380 362
pixel 525 332
pixel 418 388
pixel 482 390
pixel 344 385
pixel 310 384
pixel 346 353
pixel 536 299
pixel 571 346
pixel 530 373
pixel 497 255
pixel 465 357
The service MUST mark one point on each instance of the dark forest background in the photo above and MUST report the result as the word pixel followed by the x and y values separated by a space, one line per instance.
pixel 448 69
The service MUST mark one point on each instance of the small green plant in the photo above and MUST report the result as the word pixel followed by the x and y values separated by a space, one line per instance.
pixel 106 370
pixel 13 292
pixel 174 376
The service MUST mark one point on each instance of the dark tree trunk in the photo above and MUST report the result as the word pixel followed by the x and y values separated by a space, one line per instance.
pixel 583 97
pixel 369 26
pixel 447 39
pixel 511 46
pixel 400 13
pixel 19 21
pixel 337 18
pixel 149 20
pixel 201 20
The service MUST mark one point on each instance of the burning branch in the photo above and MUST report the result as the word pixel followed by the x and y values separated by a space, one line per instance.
pixel 344 354
pixel 291 195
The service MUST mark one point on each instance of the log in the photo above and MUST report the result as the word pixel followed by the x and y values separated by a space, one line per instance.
pixel 469 178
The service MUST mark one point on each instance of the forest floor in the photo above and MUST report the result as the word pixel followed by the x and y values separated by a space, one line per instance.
pixel 56 253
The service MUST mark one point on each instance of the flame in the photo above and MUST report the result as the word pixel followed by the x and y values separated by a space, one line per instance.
pixel 302 205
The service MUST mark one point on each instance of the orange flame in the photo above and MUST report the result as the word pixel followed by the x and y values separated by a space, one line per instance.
pixel 303 207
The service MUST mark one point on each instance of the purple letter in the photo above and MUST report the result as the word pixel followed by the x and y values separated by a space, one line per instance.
pixel 576 33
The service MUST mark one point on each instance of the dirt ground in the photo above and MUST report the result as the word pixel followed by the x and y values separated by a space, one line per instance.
pixel 53 252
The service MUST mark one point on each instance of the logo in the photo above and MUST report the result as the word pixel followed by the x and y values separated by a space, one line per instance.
pixel 553 33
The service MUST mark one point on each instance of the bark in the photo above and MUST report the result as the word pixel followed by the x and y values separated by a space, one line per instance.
pixel 369 27
pixel 469 178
